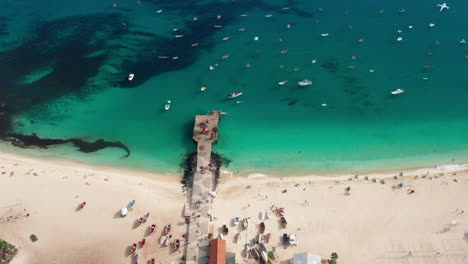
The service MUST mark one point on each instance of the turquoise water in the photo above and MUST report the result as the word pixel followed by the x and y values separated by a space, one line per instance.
pixel 65 68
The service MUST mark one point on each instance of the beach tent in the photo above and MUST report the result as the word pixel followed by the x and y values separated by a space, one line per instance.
pixel 306 258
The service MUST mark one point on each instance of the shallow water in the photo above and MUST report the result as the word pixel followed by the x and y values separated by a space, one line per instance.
pixel 65 68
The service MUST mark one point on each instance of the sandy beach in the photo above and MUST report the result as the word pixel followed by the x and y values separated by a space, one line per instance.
pixel 375 223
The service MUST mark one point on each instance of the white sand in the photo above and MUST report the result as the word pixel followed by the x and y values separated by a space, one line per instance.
pixel 375 224
pixel 97 234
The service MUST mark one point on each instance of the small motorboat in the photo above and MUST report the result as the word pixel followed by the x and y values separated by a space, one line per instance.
pixel 285 239
pixel 136 258
pixel 324 34
pixel 131 76
pixel 176 244
pixel 130 205
pixel 292 240
pixel 133 248
pixel 262 227
pixel 236 220
pixel 225 230
pixel 398 91
pixel 281 211
pixel 162 239
pixel 142 242
pixel 151 229
pixel 167 229
pixel 269 213
pixel 145 218
pixel 82 205
pixel 168 105
pixel 262 215
pixel 282 82
pixel 139 221
pixel 283 221
pixel 246 251
pixel 305 82
pixel 123 212
pixel 235 94
pixel 168 240
pixel 399 39
pixel 245 223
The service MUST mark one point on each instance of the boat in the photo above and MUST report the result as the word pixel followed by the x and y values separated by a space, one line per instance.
pixel 162 239
pixel 235 94
pixel 399 39
pixel 262 247
pixel 131 76
pixel 284 223
pixel 305 82
pixel 168 240
pixel 168 105
pixel 124 211
pixel 398 91
pixel 236 237
pixel 167 229
pixel 269 213
pixel 262 215
pixel 145 218
pixel 139 221
pixel 264 256
pixel 130 205
pixel 82 205
pixel 285 239
pixel 133 248
pixel 262 227
pixel 292 239
pixel 176 244
pixel 236 220
pixel 225 230
pixel 151 229
pixel 136 258
pixel 142 242
pixel 246 251
pixel 281 211
pixel 282 82
pixel 245 223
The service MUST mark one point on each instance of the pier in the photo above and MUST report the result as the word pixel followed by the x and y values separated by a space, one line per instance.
pixel 205 132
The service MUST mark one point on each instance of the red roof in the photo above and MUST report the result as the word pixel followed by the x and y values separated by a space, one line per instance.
pixel 218 251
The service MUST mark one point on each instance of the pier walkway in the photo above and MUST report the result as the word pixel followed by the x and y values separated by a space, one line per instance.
pixel 205 132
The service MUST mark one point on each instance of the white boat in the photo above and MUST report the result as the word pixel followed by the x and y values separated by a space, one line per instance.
pixel 305 82
pixel 324 34
pixel 463 41
pixel 262 215
pixel 292 239
pixel 168 240
pixel 245 223
pixel 399 39
pixel 123 212
pixel 235 94
pixel 236 220
pixel 131 76
pixel 136 258
pixel 246 251
pixel 398 91
pixel 162 239
pixel 282 82
pixel 168 105
pixel 269 213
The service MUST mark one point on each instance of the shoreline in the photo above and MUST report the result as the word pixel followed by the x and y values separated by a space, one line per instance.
pixel 226 173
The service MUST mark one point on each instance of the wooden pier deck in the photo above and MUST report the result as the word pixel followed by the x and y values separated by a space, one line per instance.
pixel 205 132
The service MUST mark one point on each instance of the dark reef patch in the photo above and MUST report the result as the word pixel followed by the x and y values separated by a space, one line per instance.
pixel 29 141
pixel 3 25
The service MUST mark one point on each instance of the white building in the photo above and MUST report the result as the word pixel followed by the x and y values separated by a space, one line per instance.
pixel 306 258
